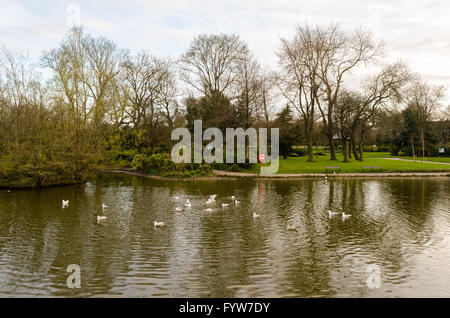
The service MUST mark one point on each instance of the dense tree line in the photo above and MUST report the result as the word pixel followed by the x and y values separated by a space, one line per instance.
pixel 102 103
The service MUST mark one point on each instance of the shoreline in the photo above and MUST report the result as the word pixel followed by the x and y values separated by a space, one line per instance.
pixel 222 175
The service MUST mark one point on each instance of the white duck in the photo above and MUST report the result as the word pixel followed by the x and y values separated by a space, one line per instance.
pixel 225 205
pixel 178 209
pixel 104 206
pixel 212 197
pixel 255 215
pixel 237 202
pixel 176 198
pixel 65 203
pixel 188 204
pixel 332 213
pixel 291 228
pixel 101 218
pixel 158 224
pixel 209 210
pixel 345 216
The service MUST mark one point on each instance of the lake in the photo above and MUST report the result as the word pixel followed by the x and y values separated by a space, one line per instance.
pixel 400 225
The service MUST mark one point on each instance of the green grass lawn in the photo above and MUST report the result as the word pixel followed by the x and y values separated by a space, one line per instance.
pixel 300 165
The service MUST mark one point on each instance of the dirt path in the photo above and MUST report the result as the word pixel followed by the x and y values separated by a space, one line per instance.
pixel 399 159
pixel 228 174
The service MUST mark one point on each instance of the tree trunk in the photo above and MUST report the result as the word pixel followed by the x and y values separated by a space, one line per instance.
pixel 360 143
pixel 423 146
pixel 412 146
pixel 345 144
pixel 350 143
pixel 330 137
pixel 361 151
pixel 309 142
pixel 266 112
pixel 355 153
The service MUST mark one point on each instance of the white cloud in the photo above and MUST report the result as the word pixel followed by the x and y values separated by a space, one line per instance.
pixel 415 30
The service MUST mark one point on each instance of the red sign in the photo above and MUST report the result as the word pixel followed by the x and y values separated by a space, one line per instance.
pixel 262 158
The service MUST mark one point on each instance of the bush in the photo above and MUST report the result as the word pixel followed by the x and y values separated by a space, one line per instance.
pixel 163 164
pixel 300 152
pixel 120 157
pixel 140 162
pixel 382 149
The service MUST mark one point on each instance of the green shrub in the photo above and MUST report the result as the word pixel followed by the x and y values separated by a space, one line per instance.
pixel 120 157
pixel 382 149
pixel 140 162
pixel 300 152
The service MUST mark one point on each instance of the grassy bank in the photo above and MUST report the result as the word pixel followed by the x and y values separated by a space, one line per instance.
pixel 13 176
pixel 300 165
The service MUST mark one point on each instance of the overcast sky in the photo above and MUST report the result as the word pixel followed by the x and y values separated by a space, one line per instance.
pixel 416 31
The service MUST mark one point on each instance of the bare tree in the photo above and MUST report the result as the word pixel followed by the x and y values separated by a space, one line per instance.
pixel 212 61
pixel 85 70
pixel 168 98
pixel 379 91
pixel 346 110
pixel 424 99
pixel 248 90
pixel 144 78
pixel 299 80
pixel 338 53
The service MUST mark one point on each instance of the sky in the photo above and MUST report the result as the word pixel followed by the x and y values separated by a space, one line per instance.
pixel 415 31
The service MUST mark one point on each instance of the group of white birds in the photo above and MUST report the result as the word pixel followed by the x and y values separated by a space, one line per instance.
pixel 344 216
pixel 100 218
pixel 212 199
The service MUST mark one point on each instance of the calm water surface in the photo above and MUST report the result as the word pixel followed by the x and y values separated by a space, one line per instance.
pixel 401 225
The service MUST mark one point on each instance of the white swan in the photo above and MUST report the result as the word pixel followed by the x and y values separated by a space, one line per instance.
pixel 225 205
pixel 255 215
pixel 332 213
pixel 178 209
pixel 101 218
pixel 345 216
pixel 158 224
pixel 65 203
pixel 188 204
